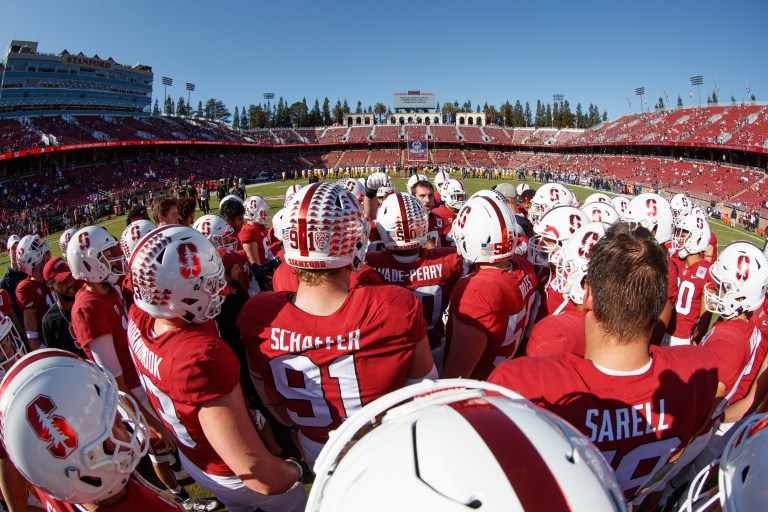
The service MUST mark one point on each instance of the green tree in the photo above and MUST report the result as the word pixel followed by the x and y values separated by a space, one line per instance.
pixel 298 114
pixel 733 99
pixel 714 97
pixel 156 108
pixel 528 118
pixel 216 110
pixel 581 120
pixel 679 101
pixel 200 108
pixel 539 120
pixel 181 108
pixel 548 116
pixel 605 115
pixel 359 109
pixel 168 109
pixel 338 112
pixel 448 111
pixel 243 119
pixel 315 117
pixel 709 99
pixel 518 115
pixel 567 119
pixel 752 97
pixel 345 108
pixel 505 113
pixel 660 103
pixel 326 112
pixel 236 118
pixel 379 109
pixel 556 119
pixel 492 115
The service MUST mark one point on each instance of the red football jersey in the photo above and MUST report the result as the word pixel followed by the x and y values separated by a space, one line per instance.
pixel 434 228
pixel 5 302
pixel 327 368
pixel 498 302
pixel 431 277
pixel 35 295
pixel 138 497
pixel 672 280
pixel 691 282
pixel 713 243
pixel 284 280
pixel 556 303
pixel 735 343
pixel 560 334
pixel 181 370
pixel 640 420
pixel 255 233
pixel 446 217
pixel 95 315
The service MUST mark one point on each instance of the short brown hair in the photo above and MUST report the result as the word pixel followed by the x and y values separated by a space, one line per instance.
pixel 186 207
pixel 314 277
pixel 161 206
pixel 628 278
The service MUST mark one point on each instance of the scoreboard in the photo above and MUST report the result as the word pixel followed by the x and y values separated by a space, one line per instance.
pixel 414 100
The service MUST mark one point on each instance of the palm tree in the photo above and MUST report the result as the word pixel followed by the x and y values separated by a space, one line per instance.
pixel 379 109
pixel 448 111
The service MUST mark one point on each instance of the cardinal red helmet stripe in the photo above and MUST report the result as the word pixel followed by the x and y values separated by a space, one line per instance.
pixel 303 235
pixel 404 217
pixel 502 223
pixel 28 360
pixel 532 480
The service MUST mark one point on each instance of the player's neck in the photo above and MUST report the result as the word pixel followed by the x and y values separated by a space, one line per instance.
pixel 163 325
pixel 112 500
pixel 693 258
pixel 325 298
pixel 603 349
pixel 98 288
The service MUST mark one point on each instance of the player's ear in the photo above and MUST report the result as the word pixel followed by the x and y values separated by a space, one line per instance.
pixel 588 305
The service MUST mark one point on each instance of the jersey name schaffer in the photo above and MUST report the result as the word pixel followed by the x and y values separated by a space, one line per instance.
pixel 290 341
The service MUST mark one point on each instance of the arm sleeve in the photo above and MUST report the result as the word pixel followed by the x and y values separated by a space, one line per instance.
pixel 103 350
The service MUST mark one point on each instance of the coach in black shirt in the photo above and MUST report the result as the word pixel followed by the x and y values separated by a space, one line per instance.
pixel 56 322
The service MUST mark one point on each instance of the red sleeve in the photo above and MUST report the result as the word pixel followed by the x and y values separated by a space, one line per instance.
pixel 248 234
pixel 731 352
pixel 89 323
pixel 471 306
pixel 5 302
pixel 212 373
pixel 366 277
pixel 546 339
pixel 672 282
pixel 283 280
pixel 24 295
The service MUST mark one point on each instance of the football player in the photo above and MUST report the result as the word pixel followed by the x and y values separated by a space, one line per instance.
pixel 636 402
pixel 192 376
pixel 430 274
pixel 64 239
pixel 319 354
pixel 490 308
pixel 454 195
pixel 62 431
pixel 32 294
pixel 253 235
pixel 691 319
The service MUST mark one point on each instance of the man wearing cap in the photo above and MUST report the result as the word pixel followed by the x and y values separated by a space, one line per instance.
pixel 508 190
pixel 13 276
pixel 57 321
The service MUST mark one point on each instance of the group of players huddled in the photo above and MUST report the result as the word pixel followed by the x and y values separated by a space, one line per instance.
pixel 512 350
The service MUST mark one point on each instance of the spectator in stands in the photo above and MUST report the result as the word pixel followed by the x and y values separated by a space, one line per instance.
pixel 186 209
pixel 165 210
pixel 57 321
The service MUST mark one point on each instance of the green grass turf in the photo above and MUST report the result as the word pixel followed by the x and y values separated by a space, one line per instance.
pixel 274 193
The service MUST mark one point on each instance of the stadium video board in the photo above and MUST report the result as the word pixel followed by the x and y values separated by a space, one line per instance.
pixel 414 100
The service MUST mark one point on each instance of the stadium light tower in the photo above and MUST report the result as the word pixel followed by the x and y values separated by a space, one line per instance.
pixel 269 96
pixel 558 99
pixel 698 81
pixel 166 82
pixel 190 88
pixel 640 91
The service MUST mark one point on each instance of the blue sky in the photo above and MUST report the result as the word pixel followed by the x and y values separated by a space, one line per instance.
pixel 590 51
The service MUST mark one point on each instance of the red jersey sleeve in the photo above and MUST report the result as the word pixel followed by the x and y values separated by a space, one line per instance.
pixel 5 302
pixel 672 281
pixel 283 280
pixel 89 323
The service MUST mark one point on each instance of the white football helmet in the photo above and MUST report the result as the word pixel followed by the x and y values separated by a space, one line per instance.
pixel 553 229
pixel 278 223
pixel 64 239
pixel 681 206
pixel 385 191
pixel 699 211
pixel 256 210
pixel 134 232
pixel 653 213
pixel 30 252
pixel 216 229
pixel 95 256
pixel 485 230
pixel 415 179
pixel 620 204
pixel 739 280
pixel 458 444
pixel 691 235
pixel 61 427
pixel 355 187
pixel 597 197
pixel 454 194
pixel 402 222
pixel 325 228
pixel 741 473
pixel 177 273
pixel 549 196
pixel 11 346
pixel 572 265
pixel 522 188
pixel 290 192
pixel 231 197
pixel 440 178
pixel 599 211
